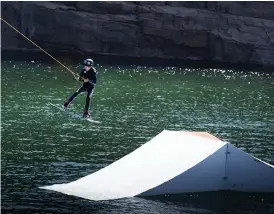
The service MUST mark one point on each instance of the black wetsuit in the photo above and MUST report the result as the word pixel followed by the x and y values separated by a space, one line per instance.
pixel 88 87
pixel 91 75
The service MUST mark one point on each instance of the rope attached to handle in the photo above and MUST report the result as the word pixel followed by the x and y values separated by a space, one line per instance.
pixel 74 74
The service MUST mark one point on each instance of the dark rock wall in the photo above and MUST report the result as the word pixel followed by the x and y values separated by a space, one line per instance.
pixel 230 32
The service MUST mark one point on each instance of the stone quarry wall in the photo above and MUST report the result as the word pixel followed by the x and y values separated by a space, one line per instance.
pixel 230 32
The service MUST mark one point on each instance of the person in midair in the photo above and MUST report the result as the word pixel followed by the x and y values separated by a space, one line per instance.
pixel 88 76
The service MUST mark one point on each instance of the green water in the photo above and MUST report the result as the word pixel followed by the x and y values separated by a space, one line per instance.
pixel 42 146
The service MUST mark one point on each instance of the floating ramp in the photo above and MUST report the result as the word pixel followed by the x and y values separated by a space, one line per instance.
pixel 175 162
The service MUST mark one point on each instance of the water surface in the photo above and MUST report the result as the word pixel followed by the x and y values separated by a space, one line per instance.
pixel 42 146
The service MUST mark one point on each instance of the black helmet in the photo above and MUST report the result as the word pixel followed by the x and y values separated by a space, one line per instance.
pixel 88 62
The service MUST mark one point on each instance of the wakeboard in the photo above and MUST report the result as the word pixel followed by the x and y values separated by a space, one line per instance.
pixel 74 115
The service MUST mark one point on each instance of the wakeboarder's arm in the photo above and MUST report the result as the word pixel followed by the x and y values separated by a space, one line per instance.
pixel 80 76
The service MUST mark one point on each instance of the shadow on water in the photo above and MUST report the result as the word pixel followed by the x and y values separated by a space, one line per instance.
pixel 203 203
pixel 222 202
pixel 69 57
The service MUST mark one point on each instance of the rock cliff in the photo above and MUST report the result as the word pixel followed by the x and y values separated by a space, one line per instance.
pixel 230 32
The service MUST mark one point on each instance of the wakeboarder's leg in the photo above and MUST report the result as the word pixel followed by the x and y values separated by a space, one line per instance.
pixel 71 98
pixel 88 99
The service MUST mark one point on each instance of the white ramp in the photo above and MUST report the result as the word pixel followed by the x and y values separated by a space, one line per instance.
pixel 172 162
pixel 246 173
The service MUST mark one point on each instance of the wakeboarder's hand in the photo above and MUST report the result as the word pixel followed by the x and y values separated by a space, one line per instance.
pixel 85 80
